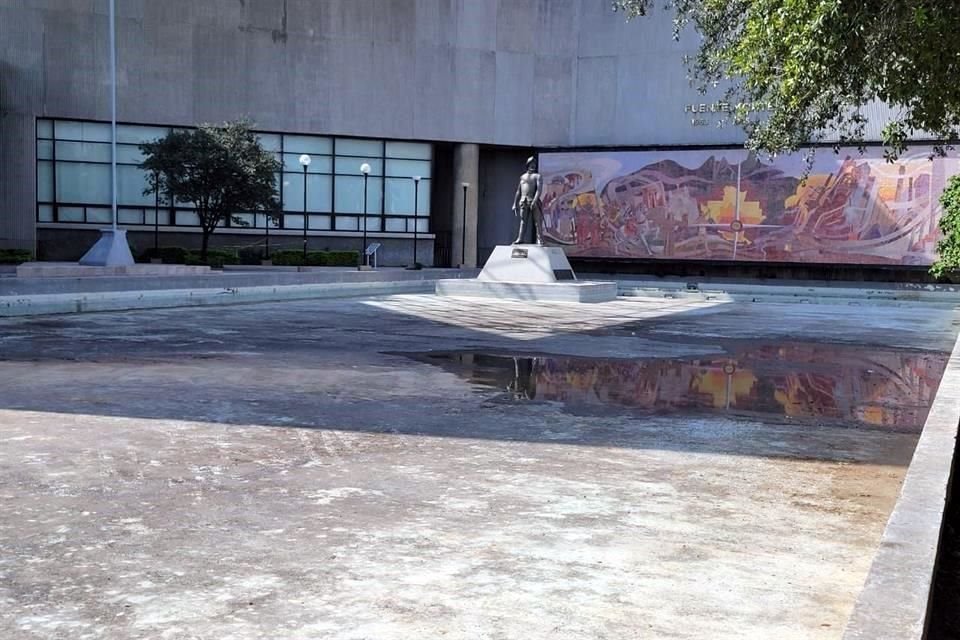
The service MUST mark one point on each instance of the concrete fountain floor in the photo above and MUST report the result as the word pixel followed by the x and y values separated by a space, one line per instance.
pixel 417 467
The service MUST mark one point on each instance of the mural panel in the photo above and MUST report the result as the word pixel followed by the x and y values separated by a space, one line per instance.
pixel 730 205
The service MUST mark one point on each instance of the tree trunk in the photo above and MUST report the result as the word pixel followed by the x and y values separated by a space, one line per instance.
pixel 205 244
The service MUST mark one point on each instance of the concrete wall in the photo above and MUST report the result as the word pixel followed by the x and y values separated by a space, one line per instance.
pixel 525 73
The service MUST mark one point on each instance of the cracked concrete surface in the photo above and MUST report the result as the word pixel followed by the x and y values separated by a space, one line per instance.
pixel 280 471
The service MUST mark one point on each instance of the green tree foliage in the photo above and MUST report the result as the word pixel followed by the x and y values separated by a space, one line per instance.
pixel 221 170
pixel 817 63
pixel 948 247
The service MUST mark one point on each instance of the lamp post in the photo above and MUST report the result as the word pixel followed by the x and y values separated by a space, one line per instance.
pixel 365 170
pixel 268 219
pixel 305 163
pixel 156 214
pixel 416 222
pixel 463 241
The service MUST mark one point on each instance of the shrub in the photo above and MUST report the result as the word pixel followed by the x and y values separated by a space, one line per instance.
pixel 215 257
pixel 168 255
pixel 287 258
pixel 343 258
pixel 250 256
pixel 14 256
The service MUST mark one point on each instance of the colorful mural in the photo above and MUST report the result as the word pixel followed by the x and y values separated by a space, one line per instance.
pixel 730 205
pixel 802 382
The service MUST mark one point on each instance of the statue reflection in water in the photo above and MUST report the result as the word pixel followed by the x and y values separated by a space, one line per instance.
pixel 524 384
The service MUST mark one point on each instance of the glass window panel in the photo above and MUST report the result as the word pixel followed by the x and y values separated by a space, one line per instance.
pixel 351 166
pixel 185 205
pixel 83 151
pixel 307 144
pixel 411 150
pixel 129 154
pixel 85 131
pixel 132 216
pixel 100 216
pixel 293 221
pixel 423 225
pixel 70 214
pixel 270 141
pixel 320 222
pixel 373 223
pixel 347 223
pixel 349 194
pixel 318 164
pixel 87 183
pixel 44 128
pixel 396 224
pixel 408 168
pixel 399 192
pixel 131 183
pixel 45 213
pixel 188 219
pixel 45 182
pixel 423 199
pixel 135 134
pixel 44 149
pixel 262 221
pixel 354 147
pixel 149 216
pixel 293 192
pixel 319 193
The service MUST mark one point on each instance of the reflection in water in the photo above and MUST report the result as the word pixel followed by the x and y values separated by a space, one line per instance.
pixel 835 383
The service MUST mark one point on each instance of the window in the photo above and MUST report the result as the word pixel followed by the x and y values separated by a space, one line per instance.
pixel 74 181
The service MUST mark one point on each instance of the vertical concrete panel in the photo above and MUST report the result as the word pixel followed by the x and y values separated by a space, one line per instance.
pixel 466 169
pixel 517 26
pixel 476 22
pixel 474 96
pixel 553 100
pixel 21 96
pixel 514 98
pixel 76 63
pixel 596 100
pixel 557 31
pixel 435 81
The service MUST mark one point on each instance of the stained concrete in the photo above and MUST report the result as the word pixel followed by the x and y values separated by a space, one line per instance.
pixel 283 470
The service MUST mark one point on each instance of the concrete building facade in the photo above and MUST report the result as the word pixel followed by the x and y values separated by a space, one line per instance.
pixel 481 83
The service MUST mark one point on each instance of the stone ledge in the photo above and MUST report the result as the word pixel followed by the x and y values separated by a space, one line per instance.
pixel 893 604
pixel 578 291
pixel 74 270
pixel 50 304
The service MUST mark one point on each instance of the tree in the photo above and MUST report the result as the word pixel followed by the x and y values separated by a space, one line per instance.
pixel 817 63
pixel 221 170
pixel 948 248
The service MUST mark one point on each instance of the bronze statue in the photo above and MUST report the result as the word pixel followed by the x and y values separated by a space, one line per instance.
pixel 527 204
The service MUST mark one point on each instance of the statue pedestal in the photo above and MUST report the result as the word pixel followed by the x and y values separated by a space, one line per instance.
pixel 529 272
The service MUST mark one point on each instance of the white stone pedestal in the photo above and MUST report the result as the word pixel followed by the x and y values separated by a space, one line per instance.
pixel 529 272
pixel 527 263
pixel 111 250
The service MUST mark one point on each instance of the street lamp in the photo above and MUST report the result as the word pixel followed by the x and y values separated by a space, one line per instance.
pixel 463 242
pixel 365 170
pixel 305 163
pixel 416 202
pixel 156 214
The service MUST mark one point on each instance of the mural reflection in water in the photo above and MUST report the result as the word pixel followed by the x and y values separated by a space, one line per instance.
pixel 835 384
